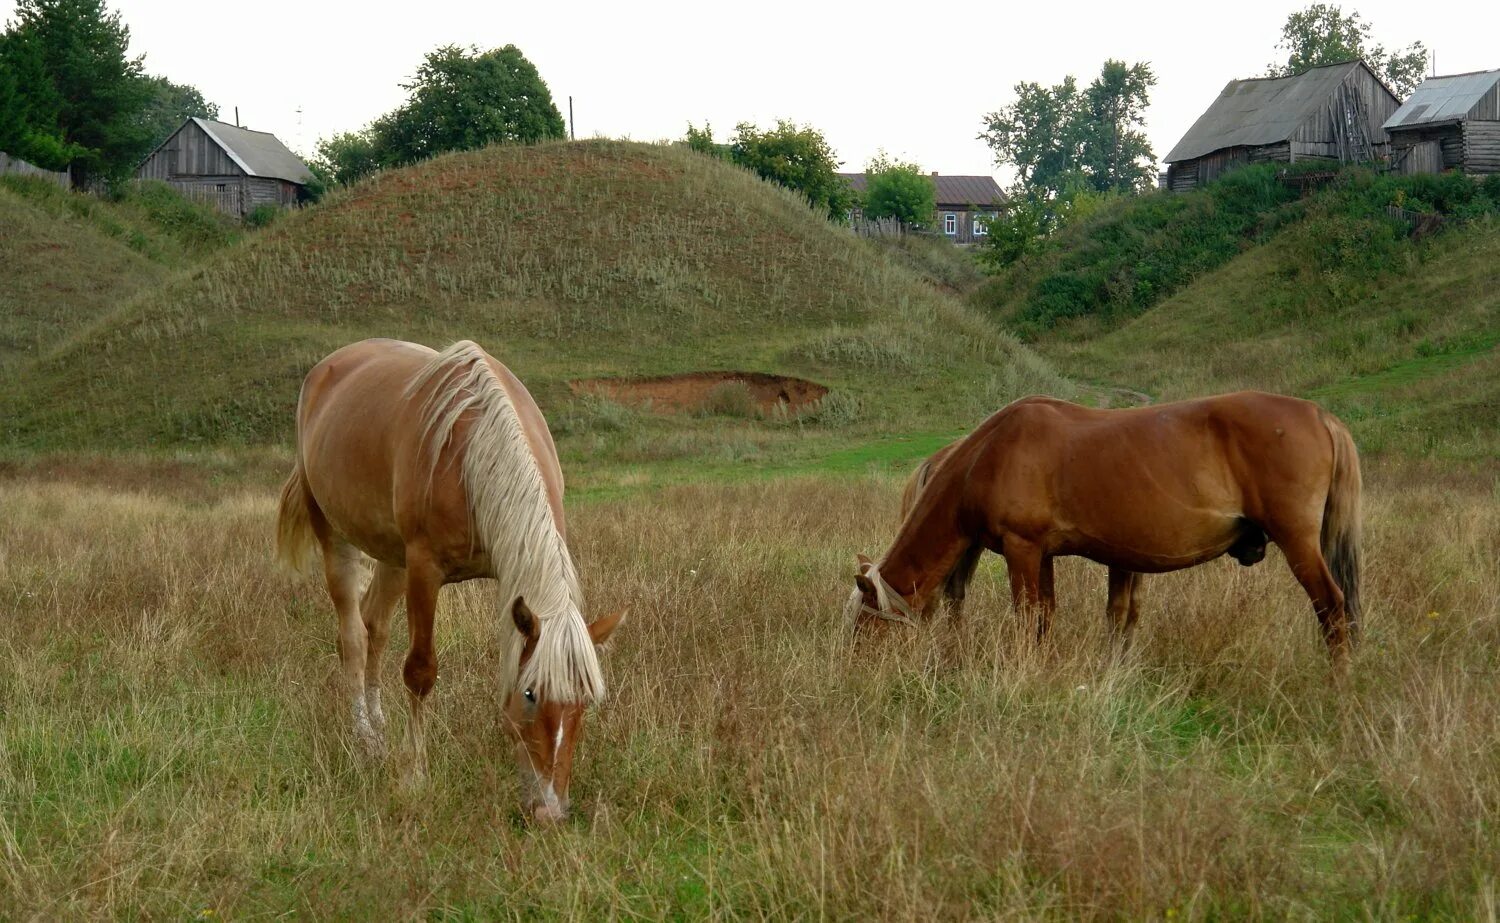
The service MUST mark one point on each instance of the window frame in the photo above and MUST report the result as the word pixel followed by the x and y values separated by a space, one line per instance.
pixel 950 224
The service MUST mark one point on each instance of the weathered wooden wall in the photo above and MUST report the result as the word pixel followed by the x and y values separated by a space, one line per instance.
pixel 1482 146
pixel 190 152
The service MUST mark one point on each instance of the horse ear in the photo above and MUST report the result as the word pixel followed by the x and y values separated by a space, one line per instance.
pixel 864 563
pixel 866 585
pixel 525 621
pixel 601 628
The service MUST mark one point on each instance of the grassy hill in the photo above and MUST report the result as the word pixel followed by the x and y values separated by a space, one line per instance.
pixel 1248 285
pixel 567 261
pixel 69 258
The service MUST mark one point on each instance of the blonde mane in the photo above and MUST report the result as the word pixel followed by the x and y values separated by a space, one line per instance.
pixel 891 605
pixel 510 515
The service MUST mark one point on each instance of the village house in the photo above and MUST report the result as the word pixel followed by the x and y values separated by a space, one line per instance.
pixel 232 168
pixel 1333 113
pixel 1450 123
pixel 963 204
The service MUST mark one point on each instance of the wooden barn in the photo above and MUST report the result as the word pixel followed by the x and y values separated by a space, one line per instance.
pixel 232 168
pixel 1450 123
pixel 1333 113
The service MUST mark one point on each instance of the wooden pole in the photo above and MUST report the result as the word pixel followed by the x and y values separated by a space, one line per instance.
pixel 571 135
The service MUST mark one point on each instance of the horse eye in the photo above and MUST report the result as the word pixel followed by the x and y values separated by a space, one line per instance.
pixel 530 695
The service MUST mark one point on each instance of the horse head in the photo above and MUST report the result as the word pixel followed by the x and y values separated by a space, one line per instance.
pixel 874 604
pixel 545 726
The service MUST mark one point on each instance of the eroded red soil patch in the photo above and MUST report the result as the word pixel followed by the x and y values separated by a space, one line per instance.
pixel 694 391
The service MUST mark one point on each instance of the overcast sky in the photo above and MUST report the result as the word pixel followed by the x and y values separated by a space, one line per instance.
pixel 914 79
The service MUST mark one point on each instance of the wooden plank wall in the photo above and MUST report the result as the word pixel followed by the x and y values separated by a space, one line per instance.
pixel 1481 141
pixel 190 152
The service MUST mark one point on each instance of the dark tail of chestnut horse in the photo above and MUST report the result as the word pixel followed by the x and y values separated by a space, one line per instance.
pixel 1341 519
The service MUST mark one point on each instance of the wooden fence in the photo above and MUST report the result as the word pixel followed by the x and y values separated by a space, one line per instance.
pixel 15 166
pixel 878 227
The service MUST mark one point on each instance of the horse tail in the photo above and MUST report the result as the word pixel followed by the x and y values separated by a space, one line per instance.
pixel 1342 518
pixel 295 539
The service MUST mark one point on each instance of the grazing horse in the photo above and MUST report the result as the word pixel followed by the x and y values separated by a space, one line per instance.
pixel 1140 490
pixel 440 467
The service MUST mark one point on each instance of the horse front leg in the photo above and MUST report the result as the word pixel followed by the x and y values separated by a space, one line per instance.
pixel 1023 560
pixel 1124 589
pixel 423 581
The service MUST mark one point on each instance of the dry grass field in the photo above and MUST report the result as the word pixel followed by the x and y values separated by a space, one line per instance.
pixel 174 747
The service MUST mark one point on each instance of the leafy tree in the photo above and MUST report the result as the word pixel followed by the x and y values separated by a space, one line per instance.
pixel 1059 138
pixel 86 87
pixel 1322 34
pixel 796 157
pixel 346 157
pixel 461 100
pixel 702 141
pixel 1070 149
pixel 170 105
pixel 899 190
pixel 1114 153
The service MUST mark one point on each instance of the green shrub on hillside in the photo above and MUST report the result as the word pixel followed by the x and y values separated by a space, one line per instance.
pixel 1133 254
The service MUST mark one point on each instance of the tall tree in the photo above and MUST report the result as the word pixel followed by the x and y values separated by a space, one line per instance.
pixel 894 189
pixel 463 99
pixel 170 105
pixel 1323 34
pixel 798 157
pixel 1060 138
pixel 100 91
pixel 1113 151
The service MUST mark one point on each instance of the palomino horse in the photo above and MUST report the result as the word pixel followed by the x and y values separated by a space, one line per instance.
pixel 440 467
pixel 1140 490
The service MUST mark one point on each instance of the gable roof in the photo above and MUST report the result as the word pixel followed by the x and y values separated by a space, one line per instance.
pixel 1262 110
pixel 1443 99
pixel 258 153
pixel 954 191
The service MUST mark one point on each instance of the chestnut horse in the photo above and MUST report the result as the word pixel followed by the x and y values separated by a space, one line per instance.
pixel 440 467
pixel 1140 490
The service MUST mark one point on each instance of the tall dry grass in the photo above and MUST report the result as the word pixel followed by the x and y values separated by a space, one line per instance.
pixel 172 741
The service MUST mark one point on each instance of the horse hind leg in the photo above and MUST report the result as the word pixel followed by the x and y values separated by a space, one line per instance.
pixel 1305 558
pixel 341 568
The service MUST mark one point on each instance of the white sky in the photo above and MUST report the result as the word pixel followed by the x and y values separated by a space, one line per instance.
pixel 914 79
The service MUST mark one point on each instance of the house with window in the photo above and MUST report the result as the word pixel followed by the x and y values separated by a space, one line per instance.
pixel 231 168
pixel 964 203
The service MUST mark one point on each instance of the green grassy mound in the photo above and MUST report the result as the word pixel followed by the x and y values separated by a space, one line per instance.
pixel 68 258
pixel 567 261
pixel 1390 320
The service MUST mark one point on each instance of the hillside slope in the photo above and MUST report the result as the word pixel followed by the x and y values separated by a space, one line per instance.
pixel 67 258
pixel 1328 296
pixel 1411 358
pixel 568 261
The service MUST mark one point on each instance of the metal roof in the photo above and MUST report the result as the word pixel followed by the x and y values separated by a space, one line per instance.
pixel 1443 99
pixel 952 191
pixel 258 153
pixel 1260 110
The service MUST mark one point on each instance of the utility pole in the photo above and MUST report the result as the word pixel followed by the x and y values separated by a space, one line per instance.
pixel 571 135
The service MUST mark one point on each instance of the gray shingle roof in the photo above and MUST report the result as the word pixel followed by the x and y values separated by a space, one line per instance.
pixel 1260 110
pixel 1443 99
pixel 257 152
pixel 951 191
